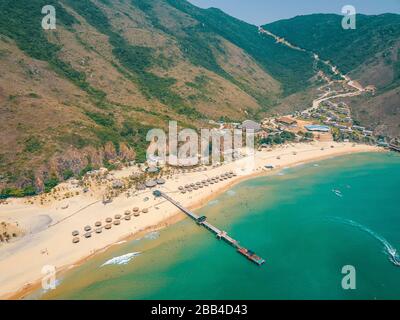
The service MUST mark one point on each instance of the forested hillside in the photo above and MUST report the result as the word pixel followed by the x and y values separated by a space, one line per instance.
pixel 369 54
pixel 84 95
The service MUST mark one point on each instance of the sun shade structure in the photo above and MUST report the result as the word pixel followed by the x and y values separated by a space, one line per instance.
pixel 117 216
pixel 98 224
pixel 75 233
pixel 107 226
pixel 117 222
pixel 75 240
pixel 145 210
pixel 135 209
pixel 151 183
pixel 87 235
pixel 152 169
pixel 87 228
pixel 108 220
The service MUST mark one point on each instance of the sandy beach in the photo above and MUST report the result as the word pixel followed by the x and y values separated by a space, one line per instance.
pixel 47 238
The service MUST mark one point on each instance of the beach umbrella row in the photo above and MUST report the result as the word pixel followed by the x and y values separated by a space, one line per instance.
pixel 109 222
pixel 206 182
pixel 199 169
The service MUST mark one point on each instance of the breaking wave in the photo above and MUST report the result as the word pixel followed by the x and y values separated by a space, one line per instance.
pixel 120 260
pixel 389 250
pixel 152 235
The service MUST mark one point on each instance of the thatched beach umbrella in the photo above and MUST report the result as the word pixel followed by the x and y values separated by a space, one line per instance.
pixel 117 222
pixel 136 214
pixel 107 226
pixel 109 220
pixel 127 218
pixel 150 183
pixel 99 230
pixel 87 235
pixel 145 210
pixel 183 191
pixel 98 224
pixel 75 240
pixel 75 233
pixel 135 209
pixel 87 228
pixel 117 216
pixel 180 188
pixel 127 212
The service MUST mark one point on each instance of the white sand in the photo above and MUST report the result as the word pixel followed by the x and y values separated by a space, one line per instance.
pixel 48 239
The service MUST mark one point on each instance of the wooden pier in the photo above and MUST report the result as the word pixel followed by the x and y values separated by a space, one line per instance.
pixel 219 233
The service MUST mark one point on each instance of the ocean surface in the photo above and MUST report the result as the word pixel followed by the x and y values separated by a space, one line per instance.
pixel 307 222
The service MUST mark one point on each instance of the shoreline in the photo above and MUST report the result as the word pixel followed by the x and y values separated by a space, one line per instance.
pixel 177 216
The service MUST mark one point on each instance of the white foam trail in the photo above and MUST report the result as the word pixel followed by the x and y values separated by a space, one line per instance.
pixel 124 259
pixel 337 192
pixel 391 251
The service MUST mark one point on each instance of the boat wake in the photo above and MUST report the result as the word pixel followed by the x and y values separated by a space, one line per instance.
pixel 389 250
pixel 124 259
pixel 337 192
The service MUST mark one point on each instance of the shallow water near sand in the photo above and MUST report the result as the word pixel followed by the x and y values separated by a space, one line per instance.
pixel 307 224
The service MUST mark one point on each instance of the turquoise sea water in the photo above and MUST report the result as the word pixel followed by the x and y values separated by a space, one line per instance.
pixel 307 222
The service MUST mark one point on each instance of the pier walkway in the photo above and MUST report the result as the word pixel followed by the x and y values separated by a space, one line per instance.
pixel 219 233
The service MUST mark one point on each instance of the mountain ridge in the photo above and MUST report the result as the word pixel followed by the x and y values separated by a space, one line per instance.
pixel 84 95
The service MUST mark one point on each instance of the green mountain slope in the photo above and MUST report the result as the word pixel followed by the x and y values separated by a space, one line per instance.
pixel 84 95
pixel 347 49
pixel 370 54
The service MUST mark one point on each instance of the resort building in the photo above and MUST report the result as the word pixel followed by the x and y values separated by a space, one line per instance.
pixel 359 128
pixel 367 132
pixel 287 121
pixel 251 125
pixel 317 128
